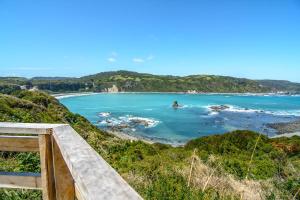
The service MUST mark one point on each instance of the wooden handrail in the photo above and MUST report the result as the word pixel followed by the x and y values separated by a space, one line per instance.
pixel 19 143
pixel 25 128
pixel 69 166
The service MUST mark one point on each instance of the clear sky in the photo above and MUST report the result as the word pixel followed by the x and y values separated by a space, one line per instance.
pixel 255 38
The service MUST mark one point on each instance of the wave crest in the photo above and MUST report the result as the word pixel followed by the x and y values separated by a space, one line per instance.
pixel 215 109
pixel 128 121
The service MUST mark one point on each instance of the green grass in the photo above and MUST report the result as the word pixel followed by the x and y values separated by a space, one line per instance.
pixel 159 171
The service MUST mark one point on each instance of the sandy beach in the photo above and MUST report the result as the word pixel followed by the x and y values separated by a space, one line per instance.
pixel 67 95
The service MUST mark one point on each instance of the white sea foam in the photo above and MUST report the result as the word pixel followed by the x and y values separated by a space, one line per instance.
pixel 147 122
pixel 130 121
pixel 291 112
pixel 104 114
pixel 280 112
pixel 242 110
pixel 213 113
pixel 111 122
pixel 69 95
pixel 231 108
pixel 189 106
pixel 237 109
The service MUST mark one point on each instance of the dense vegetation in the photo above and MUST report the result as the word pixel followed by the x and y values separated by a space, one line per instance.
pixel 281 85
pixel 213 167
pixel 10 84
pixel 132 81
pixel 139 82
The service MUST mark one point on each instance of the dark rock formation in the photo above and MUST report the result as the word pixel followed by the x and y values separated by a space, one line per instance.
pixel 219 108
pixel 175 105
pixel 288 127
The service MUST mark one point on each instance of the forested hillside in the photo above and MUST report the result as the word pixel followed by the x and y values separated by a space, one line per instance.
pixel 132 81
pixel 127 81
pixel 281 85
pixel 213 167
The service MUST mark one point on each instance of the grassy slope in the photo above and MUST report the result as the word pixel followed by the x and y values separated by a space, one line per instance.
pixel 220 163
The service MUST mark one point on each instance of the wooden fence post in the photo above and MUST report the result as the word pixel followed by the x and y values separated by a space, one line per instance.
pixel 47 172
pixel 64 183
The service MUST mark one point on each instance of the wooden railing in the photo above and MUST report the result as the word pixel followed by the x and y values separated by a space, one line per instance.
pixel 70 168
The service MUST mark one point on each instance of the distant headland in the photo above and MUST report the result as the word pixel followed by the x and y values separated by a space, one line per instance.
pixel 127 81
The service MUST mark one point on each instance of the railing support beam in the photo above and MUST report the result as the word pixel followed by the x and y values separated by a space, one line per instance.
pixel 64 183
pixel 47 172
pixel 20 180
pixel 19 143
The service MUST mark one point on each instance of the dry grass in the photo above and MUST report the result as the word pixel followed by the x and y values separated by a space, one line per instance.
pixel 210 175
pixel 136 180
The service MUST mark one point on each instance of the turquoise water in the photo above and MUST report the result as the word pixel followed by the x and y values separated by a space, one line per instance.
pixel 151 116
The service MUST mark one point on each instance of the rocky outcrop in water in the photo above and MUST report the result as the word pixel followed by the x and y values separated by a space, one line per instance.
pixel 126 122
pixel 175 104
pixel 288 127
pixel 219 108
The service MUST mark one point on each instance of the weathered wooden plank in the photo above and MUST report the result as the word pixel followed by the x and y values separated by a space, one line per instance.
pixel 26 128
pixel 47 172
pixel 19 143
pixel 91 177
pixel 94 178
pixel 20 180
pixel 78 194
pixel 64 183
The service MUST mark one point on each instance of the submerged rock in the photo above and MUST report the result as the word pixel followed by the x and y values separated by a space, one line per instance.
pixel 140 122
pixel 285 127
pixel 128 122
pixel 219 108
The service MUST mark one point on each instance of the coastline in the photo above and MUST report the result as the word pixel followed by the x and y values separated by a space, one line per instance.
pixel 287 135
pixel 68 95
pixel 125 136
pixel 284 132
pixel 286 129
pixel 77 94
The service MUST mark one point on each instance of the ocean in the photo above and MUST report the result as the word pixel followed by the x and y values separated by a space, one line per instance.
pixel 151 115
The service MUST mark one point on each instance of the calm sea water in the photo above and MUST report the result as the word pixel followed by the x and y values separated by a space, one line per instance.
pixel 152 116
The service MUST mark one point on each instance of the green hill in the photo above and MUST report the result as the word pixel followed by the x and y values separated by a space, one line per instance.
pixel 140 82
pixel 132 81
pixel 9 84
pixel 218 164
pixel 277 85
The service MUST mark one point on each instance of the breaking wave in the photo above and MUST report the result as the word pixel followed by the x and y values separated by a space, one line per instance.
pixel 104 114
pixel 215 109
pixel 128 121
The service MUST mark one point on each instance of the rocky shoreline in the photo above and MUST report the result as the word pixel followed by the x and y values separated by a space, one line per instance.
pixel 286 127
pixel 125 136
pixel 124 125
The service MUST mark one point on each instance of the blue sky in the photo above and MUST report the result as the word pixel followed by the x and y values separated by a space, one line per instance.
pixel 255 39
